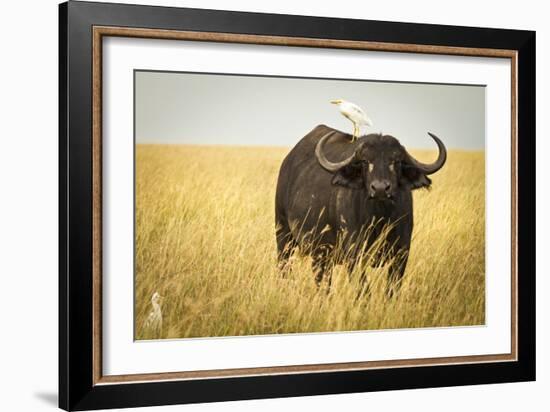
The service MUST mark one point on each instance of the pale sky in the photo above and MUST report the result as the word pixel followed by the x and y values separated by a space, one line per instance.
pixel 186 108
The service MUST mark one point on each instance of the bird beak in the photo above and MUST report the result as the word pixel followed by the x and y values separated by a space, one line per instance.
pixel 335 101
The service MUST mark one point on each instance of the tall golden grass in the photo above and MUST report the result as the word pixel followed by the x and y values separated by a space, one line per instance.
pixel 205 241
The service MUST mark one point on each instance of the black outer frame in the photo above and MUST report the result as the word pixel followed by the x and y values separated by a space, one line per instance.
pixel 76 389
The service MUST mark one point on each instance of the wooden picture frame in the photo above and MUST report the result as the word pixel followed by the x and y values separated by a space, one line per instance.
pixel 82 28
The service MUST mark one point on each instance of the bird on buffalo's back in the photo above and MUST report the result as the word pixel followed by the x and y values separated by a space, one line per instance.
pixel 355 114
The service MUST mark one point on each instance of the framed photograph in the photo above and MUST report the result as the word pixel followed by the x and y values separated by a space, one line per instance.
pixel 256 205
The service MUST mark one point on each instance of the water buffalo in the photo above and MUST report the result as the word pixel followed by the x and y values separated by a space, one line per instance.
pixel 333 192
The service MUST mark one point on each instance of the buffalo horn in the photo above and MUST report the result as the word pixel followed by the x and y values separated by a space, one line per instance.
pixel 324 162
pixel 435 166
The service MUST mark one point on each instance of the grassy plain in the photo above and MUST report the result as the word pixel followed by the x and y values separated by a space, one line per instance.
pixel 205 241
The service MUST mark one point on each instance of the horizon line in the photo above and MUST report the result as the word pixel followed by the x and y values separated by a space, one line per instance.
pixel 236 145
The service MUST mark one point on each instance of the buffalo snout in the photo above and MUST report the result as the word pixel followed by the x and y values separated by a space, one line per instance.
pixel 380 189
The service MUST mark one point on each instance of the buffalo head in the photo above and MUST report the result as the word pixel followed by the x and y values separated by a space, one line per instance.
pixel 380 165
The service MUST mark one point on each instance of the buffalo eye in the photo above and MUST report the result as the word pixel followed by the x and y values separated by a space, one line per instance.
pixel 392 167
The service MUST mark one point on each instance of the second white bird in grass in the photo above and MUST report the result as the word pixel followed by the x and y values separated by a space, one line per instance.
pixel 355 114
pixel 154 320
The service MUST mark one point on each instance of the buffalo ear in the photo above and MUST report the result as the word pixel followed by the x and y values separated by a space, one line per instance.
pixel 348 176
pixel 414 178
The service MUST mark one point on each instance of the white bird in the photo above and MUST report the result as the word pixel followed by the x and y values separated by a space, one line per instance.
pixel 154 320
pixel 355 114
